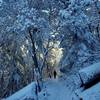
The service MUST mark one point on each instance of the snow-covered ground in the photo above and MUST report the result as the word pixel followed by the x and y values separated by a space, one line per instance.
pixel 90 73
pixel 27 92
pixel 56 90
pixel 63 88
pixel 91 94
pixel 53 89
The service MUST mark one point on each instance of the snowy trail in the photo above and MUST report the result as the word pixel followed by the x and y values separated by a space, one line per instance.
pixel 54 89
pixel 57 90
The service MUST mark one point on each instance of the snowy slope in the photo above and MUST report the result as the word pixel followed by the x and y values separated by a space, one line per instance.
pixel 54 89
pixel 28 91
pixel 92 93
pixel 57 89
pixel 63 88
pixel 89 73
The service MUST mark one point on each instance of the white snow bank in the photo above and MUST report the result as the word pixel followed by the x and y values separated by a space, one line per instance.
pixel 90 73
pixel 92 93
pixel 26 91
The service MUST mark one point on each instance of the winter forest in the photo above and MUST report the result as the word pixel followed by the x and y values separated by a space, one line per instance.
pixel 49 49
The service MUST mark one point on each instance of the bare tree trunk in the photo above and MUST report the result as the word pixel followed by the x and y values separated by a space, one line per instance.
pixel 37 70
